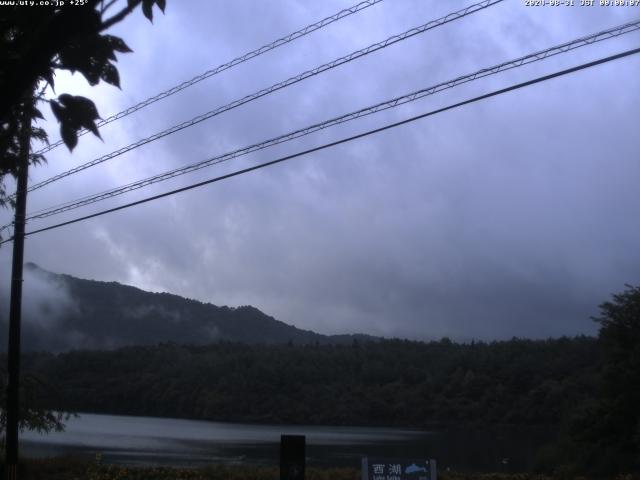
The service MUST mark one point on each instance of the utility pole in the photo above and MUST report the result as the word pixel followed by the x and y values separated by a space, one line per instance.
pixel 15 308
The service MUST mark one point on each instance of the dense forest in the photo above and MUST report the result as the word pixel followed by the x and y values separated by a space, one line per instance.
pixel 387 383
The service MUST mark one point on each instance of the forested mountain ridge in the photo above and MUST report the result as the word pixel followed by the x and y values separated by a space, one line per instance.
pixel 62 312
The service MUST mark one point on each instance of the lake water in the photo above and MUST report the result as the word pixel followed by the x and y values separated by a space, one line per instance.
pixel 163 441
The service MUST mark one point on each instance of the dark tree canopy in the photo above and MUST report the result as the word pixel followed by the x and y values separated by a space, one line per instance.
pixel 604 434
pixel 620 408
pixel 387 382
pixel 34 43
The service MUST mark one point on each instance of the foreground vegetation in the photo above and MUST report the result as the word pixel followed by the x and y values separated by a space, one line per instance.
pixel 74 469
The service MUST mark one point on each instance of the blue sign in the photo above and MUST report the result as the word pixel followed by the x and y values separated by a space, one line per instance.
pixel 394 469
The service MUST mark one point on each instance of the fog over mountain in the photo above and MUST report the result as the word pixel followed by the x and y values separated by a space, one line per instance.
pixel 62 312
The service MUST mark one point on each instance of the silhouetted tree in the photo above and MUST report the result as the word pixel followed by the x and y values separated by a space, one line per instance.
pixel 617 421
pixel 33 416
pixel 37 41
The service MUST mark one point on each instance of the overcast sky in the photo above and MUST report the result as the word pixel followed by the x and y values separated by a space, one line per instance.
pixel 515 216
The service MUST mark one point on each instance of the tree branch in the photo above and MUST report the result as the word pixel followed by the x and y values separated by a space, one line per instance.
pixel 106 7
pixel 40 94
pixel 118 17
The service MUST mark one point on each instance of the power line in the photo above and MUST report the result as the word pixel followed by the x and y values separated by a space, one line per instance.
pixel 343 140
pixel 275 87
pixel 527 59
pixel 225 66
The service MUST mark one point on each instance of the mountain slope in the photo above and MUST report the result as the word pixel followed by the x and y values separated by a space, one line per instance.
pixel 62 312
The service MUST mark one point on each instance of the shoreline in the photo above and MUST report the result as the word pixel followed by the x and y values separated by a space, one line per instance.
pixel 72 468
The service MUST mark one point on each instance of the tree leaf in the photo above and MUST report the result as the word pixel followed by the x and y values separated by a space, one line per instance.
pixel 79 107
pixel 75 112
pixel 57 110
pixel 65 99
pixel 92 74
pixel 82 113
pixel 37 158
pixel 162 4
pixel 147 9
pixel 92 127
pixel 39 134
pixel 74 56
pixel 37 113
pixel 86 57
pixel 110 75
pixel 117 44
pixel 48 76
pixel 69 136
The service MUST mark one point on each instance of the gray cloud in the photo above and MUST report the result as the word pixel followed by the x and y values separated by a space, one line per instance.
pixel 508 217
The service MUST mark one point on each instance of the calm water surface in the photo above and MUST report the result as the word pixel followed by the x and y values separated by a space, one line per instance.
pixel 163 441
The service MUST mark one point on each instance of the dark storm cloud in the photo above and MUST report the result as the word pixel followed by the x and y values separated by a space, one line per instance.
pixel 509 217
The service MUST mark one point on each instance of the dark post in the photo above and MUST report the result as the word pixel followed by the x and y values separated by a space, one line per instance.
pixel 15 307
pixel 292 457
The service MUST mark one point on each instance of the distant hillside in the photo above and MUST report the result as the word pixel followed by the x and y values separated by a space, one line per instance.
pixel 62 312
